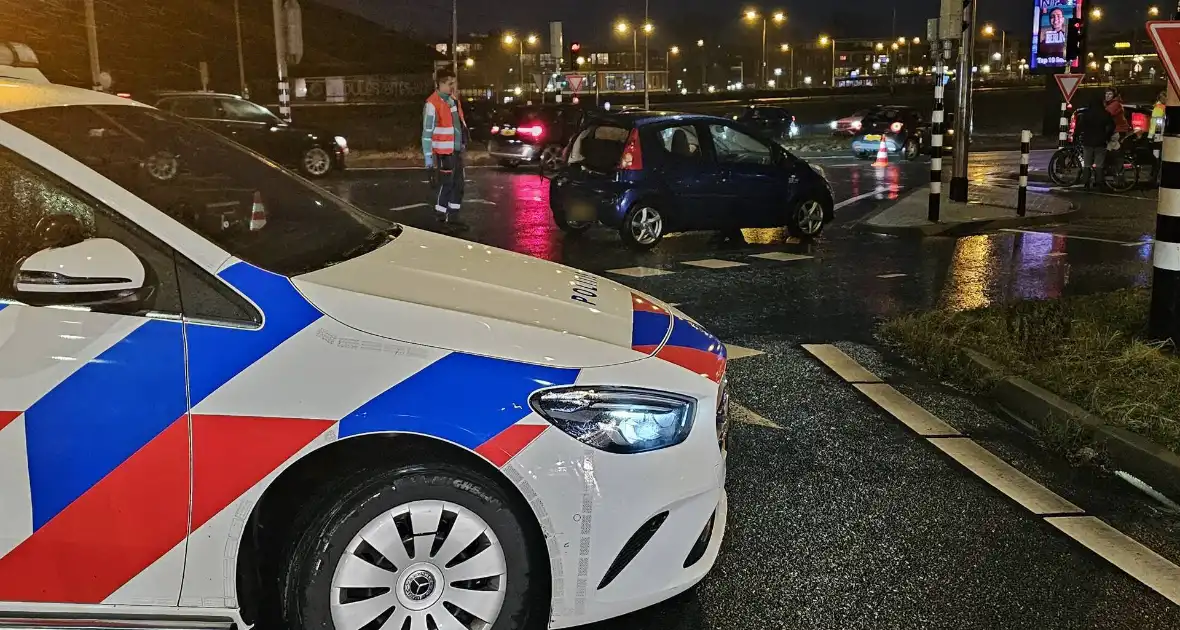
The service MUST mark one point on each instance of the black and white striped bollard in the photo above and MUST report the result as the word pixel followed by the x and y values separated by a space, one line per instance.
pixel 937 129
pixel 1062 126
pixel 1022 192
pixel 1164 316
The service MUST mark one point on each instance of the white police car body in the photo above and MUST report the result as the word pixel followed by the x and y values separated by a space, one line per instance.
pixel 229 398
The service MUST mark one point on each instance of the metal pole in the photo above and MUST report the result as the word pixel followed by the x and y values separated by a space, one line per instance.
pixel 455 36
pixel 937 129
pixel 92 42
pixel 281 57
pixel 792 67
pixel 521 60
pixel 1062 126
pixel 763 50
pixel 1164 314
pixel 241 55
pixel 646 58
pixel 833 63
pixel 1022 193
pixel 963 109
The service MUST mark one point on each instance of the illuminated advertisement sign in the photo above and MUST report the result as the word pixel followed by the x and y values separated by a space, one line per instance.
pixel 1050 21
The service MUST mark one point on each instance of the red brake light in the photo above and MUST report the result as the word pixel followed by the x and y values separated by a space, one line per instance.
pixel 495 129
pixel 856 124
pixel 535 131
pixel 896 127
pixel 632 159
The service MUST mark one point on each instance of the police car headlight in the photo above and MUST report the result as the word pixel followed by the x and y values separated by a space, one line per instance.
pixel 617 419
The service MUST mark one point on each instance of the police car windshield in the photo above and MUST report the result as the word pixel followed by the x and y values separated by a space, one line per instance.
pixel 245 204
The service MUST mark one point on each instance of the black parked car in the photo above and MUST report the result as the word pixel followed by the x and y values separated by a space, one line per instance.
pixel 314 152
pixel 906 132
pixel 535 134
pixel 776 123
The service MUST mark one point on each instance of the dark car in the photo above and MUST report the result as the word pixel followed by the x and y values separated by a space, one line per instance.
pixel 648 174
pixel 534 134
pixel 314 152
pixel 776 123
pixel 906 132
pixel 481 115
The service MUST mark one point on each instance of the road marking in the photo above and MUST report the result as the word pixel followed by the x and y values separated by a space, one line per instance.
pixel 1099 193
pixel 403 168
pixel 1003 477
pixel 639 272
pixel 490 203
pixel 905 410
pixel 737 352
pixel 413 205
pixel 780 256
pixel 1073 236
pixel 849 202
pixel 714 263
pixel 743 415
pixel 842 364
pixel 1124 552
pixel 886 276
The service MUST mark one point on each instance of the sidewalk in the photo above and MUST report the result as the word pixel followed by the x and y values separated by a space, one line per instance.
pixel 988 208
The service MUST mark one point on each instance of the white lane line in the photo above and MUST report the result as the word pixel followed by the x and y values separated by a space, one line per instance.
pixel 490 203
pixel 639 272
pixel 714 263
pixel 413 205
pixel 886 276
pixel 780 256
pixel 743 415
pixel 1073 236
pixel 849 202
pixel 1124 552
pixel 737 352
pixel 1003 477
pixel 842 364
pixel 403 168
pixel 905 410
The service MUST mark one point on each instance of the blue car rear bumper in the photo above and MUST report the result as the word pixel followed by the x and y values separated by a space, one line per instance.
pixel 861 145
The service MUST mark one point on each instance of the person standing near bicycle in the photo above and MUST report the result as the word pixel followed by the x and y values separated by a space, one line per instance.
pixel 1097 128
pixel 1113 102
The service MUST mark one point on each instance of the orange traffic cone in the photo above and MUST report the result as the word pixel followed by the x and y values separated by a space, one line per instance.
pixel 257 213
pixel 882 155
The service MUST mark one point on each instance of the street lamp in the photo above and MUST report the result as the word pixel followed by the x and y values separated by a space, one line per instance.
pixel 990 31
pixel 469 63
pixel 648 28
pixel 753 16
pixel 1096 13
pixel 824 40
pixel 510 39
pixel 1153 11
pixel 788 48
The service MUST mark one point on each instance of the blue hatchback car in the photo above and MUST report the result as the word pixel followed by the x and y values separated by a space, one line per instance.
pixel 648 174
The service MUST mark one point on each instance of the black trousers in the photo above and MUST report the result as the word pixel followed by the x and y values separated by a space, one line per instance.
pixel 448 176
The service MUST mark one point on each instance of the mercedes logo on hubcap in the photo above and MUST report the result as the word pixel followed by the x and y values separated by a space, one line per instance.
pixel 419 585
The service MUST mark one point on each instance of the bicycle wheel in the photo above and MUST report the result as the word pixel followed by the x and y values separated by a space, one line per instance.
pixel 1065 167
pixel 1123 175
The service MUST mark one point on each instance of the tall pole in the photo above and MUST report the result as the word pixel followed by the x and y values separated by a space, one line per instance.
pixel 281 58
pixel 241 55
pixel 958 190
pixel 833 63
pixel 763 51
pixel 792 67
pixel 520 58
pixel 937 129
pixel 1164 314
pixel 455 36
pixel 92 42
pixel 646 57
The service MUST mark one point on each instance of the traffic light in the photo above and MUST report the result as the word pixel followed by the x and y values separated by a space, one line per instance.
pixel 1075 39
pixel 575 47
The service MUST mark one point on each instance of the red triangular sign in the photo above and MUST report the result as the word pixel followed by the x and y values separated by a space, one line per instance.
pixel 1068 84
pixel 575 82
pixel 1166 36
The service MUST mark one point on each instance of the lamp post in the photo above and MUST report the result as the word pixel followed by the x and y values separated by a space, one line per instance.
pixel 704 76
pixel 753 16
pixel 648 28
pixel 989 31
pixel 510 39
pixel 790 49
pixel 824 40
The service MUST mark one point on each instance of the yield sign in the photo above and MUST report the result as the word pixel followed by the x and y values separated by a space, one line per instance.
pixel 1166 36
pixel 1068 84
pixel 575 82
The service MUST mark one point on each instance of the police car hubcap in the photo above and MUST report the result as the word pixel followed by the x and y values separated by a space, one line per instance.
pixel 429 563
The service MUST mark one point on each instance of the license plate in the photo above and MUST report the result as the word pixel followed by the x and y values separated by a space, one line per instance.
pixel 508 132
pixel 872 137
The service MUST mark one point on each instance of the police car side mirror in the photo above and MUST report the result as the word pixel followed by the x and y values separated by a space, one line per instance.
pixel 95 272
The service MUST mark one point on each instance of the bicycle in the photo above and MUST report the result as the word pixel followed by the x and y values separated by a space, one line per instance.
pixel 1120 173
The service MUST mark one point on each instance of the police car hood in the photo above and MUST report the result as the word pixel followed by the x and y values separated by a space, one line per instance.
pixel 449 293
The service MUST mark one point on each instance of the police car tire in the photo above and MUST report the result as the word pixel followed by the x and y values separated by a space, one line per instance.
pixel 335 519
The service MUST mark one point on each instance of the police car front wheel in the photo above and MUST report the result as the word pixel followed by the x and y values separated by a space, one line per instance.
pixel 412 549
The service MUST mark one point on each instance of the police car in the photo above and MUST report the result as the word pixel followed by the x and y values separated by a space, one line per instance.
pixel 228 398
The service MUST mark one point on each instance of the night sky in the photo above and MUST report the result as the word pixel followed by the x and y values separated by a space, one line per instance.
pixel 589 20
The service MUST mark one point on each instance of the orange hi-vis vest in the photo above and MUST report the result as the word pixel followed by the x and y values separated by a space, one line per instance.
pixel 442 139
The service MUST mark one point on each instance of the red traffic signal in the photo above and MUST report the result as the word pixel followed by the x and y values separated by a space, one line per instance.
pixel 575 47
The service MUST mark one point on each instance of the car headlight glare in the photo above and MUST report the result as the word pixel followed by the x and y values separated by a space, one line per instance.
pixel 617 419
pixel 341 142
pixel 835 124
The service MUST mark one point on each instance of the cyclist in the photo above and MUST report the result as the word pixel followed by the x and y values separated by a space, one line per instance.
pixel 1096 127
pixel 1113 102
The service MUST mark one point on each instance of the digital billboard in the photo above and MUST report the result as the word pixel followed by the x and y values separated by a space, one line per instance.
pixel 1050 32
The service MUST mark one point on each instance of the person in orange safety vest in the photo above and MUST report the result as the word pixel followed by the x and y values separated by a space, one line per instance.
pixel 444 138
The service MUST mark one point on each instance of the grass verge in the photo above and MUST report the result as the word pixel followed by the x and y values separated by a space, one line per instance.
pixel 1086 349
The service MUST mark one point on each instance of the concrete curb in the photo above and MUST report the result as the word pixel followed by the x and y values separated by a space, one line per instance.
pixel 964 228
pixel 1042 409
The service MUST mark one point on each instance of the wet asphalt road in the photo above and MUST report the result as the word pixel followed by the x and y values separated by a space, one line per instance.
pixel 840 517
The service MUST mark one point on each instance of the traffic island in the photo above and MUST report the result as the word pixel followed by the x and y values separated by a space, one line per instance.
pixel 1076 370
pixel 988 208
